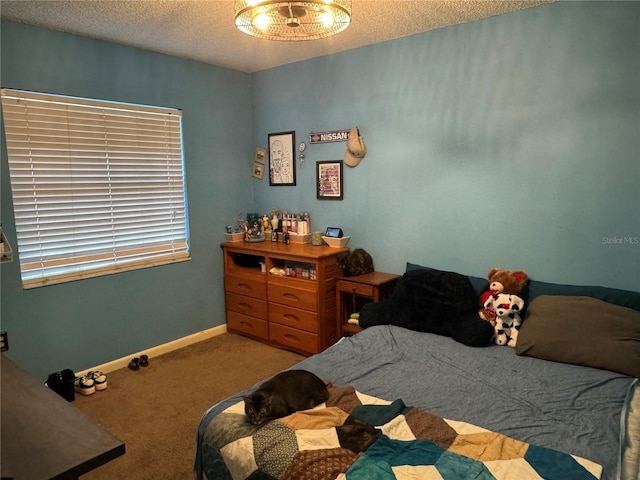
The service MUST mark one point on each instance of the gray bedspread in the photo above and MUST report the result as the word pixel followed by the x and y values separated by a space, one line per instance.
pixel 577 410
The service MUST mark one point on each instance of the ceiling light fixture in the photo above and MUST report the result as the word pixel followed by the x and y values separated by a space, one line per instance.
pixel 292 21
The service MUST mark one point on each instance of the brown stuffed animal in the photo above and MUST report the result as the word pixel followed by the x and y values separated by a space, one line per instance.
pixel 501 281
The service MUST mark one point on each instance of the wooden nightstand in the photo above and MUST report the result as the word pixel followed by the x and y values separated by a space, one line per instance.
pixel 353 292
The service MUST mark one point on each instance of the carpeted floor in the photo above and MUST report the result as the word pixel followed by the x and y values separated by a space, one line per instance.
pixel 156 410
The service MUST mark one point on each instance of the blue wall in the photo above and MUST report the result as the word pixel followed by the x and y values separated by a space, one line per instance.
pixel 509 142
pixel 512 141
pixel 85 323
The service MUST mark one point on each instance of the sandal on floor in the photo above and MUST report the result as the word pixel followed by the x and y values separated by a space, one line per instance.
pixel 134 364
pixel 144 361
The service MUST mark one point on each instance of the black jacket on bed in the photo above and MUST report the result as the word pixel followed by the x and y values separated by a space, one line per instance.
pixel 432 301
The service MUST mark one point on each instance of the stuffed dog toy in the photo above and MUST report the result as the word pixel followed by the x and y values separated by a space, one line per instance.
pixel 508 321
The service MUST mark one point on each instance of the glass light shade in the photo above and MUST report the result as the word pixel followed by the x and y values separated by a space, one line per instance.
pixel 292 21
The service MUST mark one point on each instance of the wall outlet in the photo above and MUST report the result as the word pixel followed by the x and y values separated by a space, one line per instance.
pixel 4 341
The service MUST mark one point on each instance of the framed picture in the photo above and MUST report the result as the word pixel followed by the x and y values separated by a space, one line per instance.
pixel 258 170
pixel 282 165
pixel 329 180
pixel 261 155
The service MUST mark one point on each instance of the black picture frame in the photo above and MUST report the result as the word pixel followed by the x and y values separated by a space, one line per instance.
pixel 282 159
pixel 329 185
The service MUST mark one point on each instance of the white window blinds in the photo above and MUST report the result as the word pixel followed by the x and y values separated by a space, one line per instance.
pixel 98 187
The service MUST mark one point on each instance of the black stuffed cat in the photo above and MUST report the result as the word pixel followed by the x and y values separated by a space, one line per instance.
pixel 284 394
pixel 355 263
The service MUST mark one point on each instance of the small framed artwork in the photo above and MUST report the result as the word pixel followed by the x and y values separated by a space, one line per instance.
pixel 282 165
pixel 261 155
pixel 329 180
pixel 258 170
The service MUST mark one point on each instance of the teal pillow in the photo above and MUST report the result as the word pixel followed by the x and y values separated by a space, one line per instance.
pixel 623 298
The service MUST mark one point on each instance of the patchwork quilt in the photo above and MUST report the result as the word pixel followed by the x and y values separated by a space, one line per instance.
pixel 354 436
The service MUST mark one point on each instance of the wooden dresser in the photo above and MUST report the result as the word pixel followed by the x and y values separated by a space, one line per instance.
pixel 296 310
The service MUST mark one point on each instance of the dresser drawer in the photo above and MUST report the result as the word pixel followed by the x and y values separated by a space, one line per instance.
pixel 294 297
pixel 250 325
pixel 293 317
pixel 293 338
pixel 355 288
pixel 255 288
pixel 246 305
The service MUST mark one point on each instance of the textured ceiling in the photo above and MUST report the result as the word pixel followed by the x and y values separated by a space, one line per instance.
pixel 205 30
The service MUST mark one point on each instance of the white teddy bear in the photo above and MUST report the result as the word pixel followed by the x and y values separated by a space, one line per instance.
pixel 508 321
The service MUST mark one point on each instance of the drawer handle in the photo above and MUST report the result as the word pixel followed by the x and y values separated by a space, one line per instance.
pixel 246 324
pixel 290 296
pixel 244 306
pixel 292 317
pixel 291 337
pixel 244 286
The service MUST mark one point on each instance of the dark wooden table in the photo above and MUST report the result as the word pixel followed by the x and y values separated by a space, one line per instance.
pixel 43 435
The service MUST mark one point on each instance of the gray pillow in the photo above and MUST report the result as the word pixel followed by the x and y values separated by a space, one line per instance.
pixel 582 331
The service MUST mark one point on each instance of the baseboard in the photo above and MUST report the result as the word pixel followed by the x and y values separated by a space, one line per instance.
pixel 158 350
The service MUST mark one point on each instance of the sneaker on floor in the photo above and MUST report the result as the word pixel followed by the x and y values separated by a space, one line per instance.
pixel 99 379
pixel 84 385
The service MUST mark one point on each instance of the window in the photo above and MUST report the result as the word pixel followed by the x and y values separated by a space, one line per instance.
pixel 98 187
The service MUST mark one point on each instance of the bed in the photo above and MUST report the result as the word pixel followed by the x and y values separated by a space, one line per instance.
pixel 405 404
